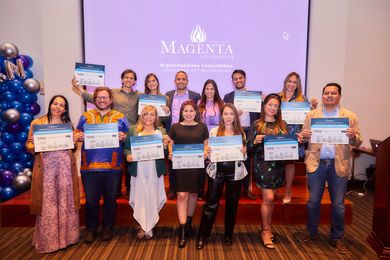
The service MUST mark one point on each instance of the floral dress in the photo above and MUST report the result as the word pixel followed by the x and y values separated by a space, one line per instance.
pixel 268 174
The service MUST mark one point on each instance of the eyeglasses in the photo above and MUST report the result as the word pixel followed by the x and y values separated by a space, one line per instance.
pixel 102 97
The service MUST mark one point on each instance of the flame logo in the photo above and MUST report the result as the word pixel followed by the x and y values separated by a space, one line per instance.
pixel 198 35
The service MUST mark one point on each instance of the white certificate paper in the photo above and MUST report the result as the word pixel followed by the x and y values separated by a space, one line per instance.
pixel 89 74
pixel 329 130
pixel 53 137
pixel 155 100
pixel 187 156
pixel 294 113
pixel 98 136
pixel 147 147
pixel 280 147
pixel 226 148
pixel 248 101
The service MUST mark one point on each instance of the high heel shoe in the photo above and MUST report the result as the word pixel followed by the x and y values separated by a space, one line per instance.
pixel 267 241
pixel 182 236
pixel 200 243
pixel 287 198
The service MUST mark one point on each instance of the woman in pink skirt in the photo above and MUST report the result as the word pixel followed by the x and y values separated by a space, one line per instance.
pixel 54 191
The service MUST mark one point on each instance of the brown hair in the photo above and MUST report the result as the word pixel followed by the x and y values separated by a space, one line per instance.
pixel 237 129
pixel 147 90
pixel 280 125
pixel 99 89
pixel 298 90
pixel 187 103
pixel 217 98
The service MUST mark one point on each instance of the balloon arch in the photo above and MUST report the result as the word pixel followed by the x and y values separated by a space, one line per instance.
pixel 18 106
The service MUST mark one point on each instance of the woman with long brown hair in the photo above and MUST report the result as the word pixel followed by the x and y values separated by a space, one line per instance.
pixel 228 174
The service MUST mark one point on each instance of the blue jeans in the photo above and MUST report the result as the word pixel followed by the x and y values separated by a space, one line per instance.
pixel 97 184
pixel 337 187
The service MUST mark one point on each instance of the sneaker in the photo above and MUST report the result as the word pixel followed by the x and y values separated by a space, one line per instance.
pixel 304 236
pixel 340 247
pixel 90 236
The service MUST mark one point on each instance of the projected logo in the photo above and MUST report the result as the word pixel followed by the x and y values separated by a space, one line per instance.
pixel 198 46
pixel 198 35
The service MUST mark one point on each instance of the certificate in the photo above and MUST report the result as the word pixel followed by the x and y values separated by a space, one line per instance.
pixel 146 147
pixel 155 100
pixel 294 113
pixel 97 136
pixel 89 74
pixel 226 148
pixel 248 101
pixel 53 137
pixel 188 156
pixel 329 130
pixel 280 147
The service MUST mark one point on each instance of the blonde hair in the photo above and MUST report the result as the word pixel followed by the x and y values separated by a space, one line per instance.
pixel 147 108
pixel 298 90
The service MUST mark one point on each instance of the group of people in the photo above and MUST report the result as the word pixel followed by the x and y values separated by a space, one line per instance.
pixel 190 118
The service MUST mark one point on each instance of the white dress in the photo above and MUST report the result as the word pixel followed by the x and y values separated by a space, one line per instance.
pixel 147 194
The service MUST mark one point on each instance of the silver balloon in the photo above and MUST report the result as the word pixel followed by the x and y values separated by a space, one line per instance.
pixel 32 85
pixel 29 173
pixel 21 182
pixel 3 77
pixel 9 50
pixel 11 115
pixel 26 170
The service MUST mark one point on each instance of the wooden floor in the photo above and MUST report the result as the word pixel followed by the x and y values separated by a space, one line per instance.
pixel 15 243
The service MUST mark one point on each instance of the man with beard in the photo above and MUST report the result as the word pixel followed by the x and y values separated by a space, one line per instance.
pixel 328 163
pixel 101 168
pixel 246 119
pixel 176 99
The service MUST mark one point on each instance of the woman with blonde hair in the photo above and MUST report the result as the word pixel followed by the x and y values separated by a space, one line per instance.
pixel 147 194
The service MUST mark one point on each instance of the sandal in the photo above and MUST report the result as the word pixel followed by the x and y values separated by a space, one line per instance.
pixel 267 241
pixel 287 198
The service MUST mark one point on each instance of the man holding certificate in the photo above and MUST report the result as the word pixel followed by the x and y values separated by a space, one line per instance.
pixel 329 162
pixel 246 119
pixel 101 161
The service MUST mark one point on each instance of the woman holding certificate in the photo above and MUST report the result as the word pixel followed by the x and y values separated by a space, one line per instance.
pixel 223 173
pixel 269 175
pixel 55 188
pixel 147 194
pixel 292 92
pixel 188 179
pixel 152 87
pixel 209 107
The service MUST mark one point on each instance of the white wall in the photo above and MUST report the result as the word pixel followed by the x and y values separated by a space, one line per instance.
pixel 349 43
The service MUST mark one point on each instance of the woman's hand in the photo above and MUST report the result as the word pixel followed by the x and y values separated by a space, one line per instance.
pixel 170 156
pixel 258 139
pixel 243 150
pixel 165 109
pixel 129 158
pixel 80 137
pixel 31 139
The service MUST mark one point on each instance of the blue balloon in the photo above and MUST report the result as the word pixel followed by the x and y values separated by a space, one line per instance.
pixel 14 128
pixel 17 167
pixel 7 193
pixel 29 74
pixel 29 164
pixel 4 105
pixel 3 87
pixel 25 119
pixel 8 96
pixel 4 151
pixel 7 138
pixel 17 105
pixel 26 61
pixel 16 147
pixel 2 145
pixel 24 156
pixel 15 83
pixel 27 98
pixel 9 157
pixel 22 137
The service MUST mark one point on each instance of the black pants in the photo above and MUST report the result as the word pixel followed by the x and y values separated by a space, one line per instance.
pixel 225 175
pixel 247 162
